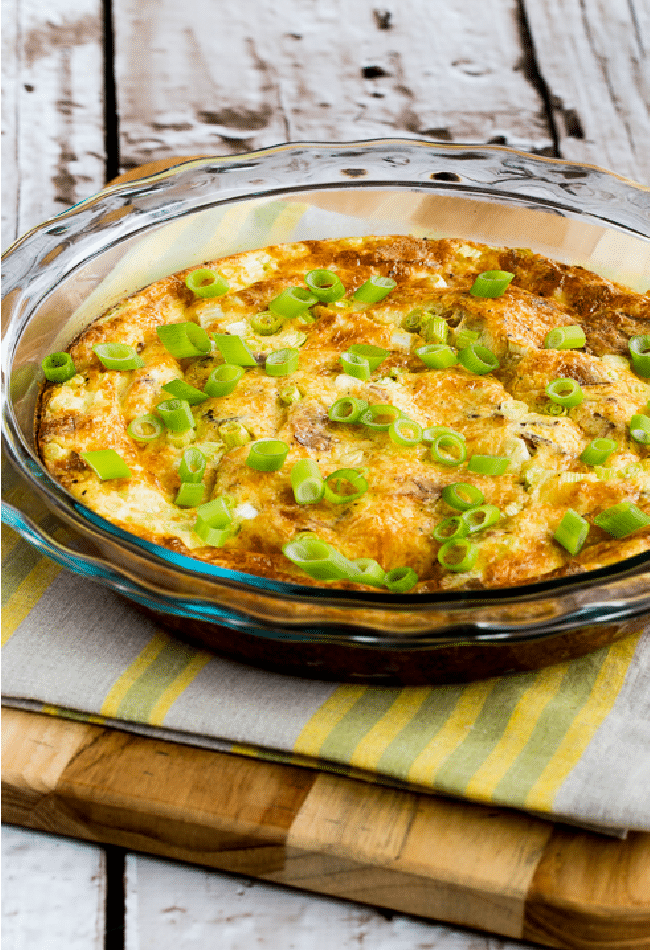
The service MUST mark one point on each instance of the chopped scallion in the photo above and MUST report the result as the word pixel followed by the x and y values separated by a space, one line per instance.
pixel 344 486
pixel 374 289
pixel 572 531
pixel 491 283
pixel 598 451
pixel 458 555
pixel 405 432
pixel 437 355
pixel 145 428
pixel 176 414
pixel 325 285
pixel 190 494
pixel 571 337
pixel 206 283
pixel 380 417
pixel 565 391
pixel 401 579
pixel 622 519
pixel 640 428
pixel 179 389
pixel 282 362
pixel 107 464
pixel 267 323
pixel 347 409
pixel 118 356
pixel 192 467
pixel 184 340
pixel 223 380
pixel 462 496
pixel 234 350
pixel 488 464
pixel 267 455
pixel 58 367
pixel 292 301
pixel 355 365
pixel 478 359
pixel 307 482
pixel 374 354
pixel 449 449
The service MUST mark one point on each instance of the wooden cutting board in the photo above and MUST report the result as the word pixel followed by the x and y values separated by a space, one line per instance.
pixel 471 865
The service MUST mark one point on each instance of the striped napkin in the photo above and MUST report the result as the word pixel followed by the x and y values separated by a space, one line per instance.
pixel 556 742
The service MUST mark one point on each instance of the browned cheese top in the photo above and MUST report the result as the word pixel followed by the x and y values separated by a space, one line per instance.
pixel 504 412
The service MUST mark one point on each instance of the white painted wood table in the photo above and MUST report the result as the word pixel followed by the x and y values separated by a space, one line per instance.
pixel 92 88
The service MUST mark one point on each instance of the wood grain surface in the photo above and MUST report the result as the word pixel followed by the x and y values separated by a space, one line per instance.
pixel 95 87
pixel 506 872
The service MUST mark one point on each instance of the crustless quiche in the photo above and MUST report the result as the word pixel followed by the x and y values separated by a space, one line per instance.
pixel 413 415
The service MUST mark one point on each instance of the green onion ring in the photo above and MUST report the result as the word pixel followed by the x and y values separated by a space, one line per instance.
pixel 598 451
pixel 292 302
pixel 190 494
pixel 401 579
pixel 234 350
pixel 118 356
pixel 405 432
pixel 478 359
pixel 336 480
pixel 58 367
pixel 325 284
pixel 448 449
pixel 307 482
pixel 491 283
pixel 267 455
pixel 450 529
pixel 347 409
pixel 374 289
pixel 282 362
pixel 488 464
pixel 223 379
pixel 192 466
pixel 145 428
pixel 622 519
pixel 266 323
pixel 184 340
pixel 437 355
pixel 565 391
pixel 480 517
pixel 176 414
pixel 458 555
pixel 462 496
pixel 380 416
pixel 206 283
pixel 179 389
pixel 571 337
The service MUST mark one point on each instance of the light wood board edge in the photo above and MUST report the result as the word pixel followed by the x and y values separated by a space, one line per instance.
pixel 472 865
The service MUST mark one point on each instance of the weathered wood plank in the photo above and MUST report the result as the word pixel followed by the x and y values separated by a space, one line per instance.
pixel 329 70
pixel 53 154
pixel 53 892
pixel 168 905
pixel 594 56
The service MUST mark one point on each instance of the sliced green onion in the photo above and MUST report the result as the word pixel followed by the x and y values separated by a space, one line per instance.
pixel 119 356
pixel 458 555
pixel 215 537
pixel 571 337
pixel 640 428
pixel 345 485
pixel 307 482
pixel 435 330
pixel 431 433
pixel 462 496
pixel 267 323
pixel 179 389
pixel 347 409
pixel 282 362
pixel 234 350
pixel 223 379
pixel 488 464
pixel 448 448
pixel 107 464
pixel 355 365
pixel 598 451
pixel 401 579
pixel 190 494
pixel 413 320
pixel 290 395
pixel 380 417
pixel 406 432
pixel 478 359
pixel 622 519
pixel 572 531
pixel 318 559
pixel 206 283
pixel 184 340
pixel 450 529
pixel 565 391
pixel 292 302
pixel 374 354
pixel 233 434
pixel 437 356
pixel 58 367
pixel 491 283
pixel 192 467
pixel 215 514
pixel 374 289
pixel 482 516
pixel 176 414
pixel 145 428
pixel 267 455
pixel 325 284
pixel 369 571
pixel 640 353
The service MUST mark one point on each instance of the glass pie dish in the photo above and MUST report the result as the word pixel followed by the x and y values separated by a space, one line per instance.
pixel 69 270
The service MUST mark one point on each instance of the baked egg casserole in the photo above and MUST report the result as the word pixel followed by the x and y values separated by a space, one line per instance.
pixel 406 414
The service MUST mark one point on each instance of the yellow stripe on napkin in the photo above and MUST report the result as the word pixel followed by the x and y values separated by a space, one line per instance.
pixel 603 695
pixel 454 731
pixel 517 733
pixel 178 686
pixel 330 714
pixel 118 692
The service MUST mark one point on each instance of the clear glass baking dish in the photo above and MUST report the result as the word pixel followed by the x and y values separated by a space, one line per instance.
pixel 64 273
